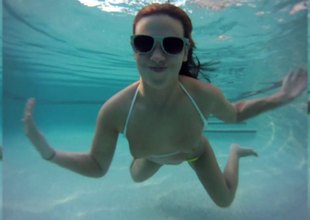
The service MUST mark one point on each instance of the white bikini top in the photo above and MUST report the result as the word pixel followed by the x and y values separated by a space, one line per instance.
pixel 203 119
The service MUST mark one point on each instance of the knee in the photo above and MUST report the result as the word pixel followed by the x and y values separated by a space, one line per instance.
pixel 225 203
pixel 137 178
pixel 141 170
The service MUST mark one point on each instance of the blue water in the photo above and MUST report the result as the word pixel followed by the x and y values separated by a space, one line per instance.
pixel 73 57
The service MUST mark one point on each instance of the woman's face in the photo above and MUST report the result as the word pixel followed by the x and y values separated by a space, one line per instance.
pixel 158 68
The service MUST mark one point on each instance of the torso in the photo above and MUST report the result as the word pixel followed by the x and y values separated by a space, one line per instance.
pixel 168 136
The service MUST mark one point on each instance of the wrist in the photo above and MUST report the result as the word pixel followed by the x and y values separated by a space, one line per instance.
pixel 279 98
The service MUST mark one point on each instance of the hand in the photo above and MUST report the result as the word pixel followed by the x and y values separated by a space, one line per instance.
pixel 34 134
pixel 29 125
pixel 294 83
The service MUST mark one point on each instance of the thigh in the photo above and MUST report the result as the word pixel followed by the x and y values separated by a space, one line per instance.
pixel 210 175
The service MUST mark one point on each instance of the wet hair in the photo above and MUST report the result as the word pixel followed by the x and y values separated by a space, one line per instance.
pixel 192 66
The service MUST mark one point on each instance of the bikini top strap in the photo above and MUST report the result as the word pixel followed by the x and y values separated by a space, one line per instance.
pixel 194 103
pixel 130 111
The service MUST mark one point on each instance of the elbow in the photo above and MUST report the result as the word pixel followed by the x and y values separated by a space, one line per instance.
pixel 238 113
pixel 98 175
pixel 233 118
pixel 238 118
pixel 99 170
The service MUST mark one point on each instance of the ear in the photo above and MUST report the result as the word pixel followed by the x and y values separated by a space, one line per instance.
pixel 185 55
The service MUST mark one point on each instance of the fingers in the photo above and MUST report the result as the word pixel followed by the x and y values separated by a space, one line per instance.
pixel 301 77
pixel 301 73
pixel 296 75
pixel 299 80
pixel 29 124
pixel 28 109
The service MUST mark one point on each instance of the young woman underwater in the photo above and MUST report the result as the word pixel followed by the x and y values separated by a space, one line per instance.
pixel 163 114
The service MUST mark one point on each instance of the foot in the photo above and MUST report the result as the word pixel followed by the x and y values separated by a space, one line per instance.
pixel 243 152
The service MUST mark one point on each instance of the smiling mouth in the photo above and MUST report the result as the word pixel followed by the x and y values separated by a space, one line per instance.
pixel 158 69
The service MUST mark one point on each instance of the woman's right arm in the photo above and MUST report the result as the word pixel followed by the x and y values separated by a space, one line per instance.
pixel 92 164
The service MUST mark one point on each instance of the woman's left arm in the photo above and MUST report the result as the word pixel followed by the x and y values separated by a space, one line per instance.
pixel 292 86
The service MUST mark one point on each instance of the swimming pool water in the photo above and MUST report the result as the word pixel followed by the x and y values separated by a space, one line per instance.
pixel 72 58
pixel 272 186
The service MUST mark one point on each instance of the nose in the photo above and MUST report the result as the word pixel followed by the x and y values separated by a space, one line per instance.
pixel 158 54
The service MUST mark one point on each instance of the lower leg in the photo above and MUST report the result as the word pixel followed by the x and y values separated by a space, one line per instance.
pixel 220 186
pixel 231 171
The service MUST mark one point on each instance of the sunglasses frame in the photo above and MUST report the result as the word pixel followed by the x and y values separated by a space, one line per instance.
pixel 158 39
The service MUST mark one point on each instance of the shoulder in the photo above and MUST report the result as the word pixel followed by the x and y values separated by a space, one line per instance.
pixel 203 92
pixel 114 111
pixel 210 99
pixel 198 86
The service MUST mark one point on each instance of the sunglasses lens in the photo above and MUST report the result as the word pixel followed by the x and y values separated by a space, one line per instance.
pixel 143 43
pixel 173 45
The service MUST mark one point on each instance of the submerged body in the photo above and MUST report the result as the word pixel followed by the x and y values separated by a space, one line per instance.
pixel 162 115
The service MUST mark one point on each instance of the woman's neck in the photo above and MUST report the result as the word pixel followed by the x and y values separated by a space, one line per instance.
pixel 159 97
